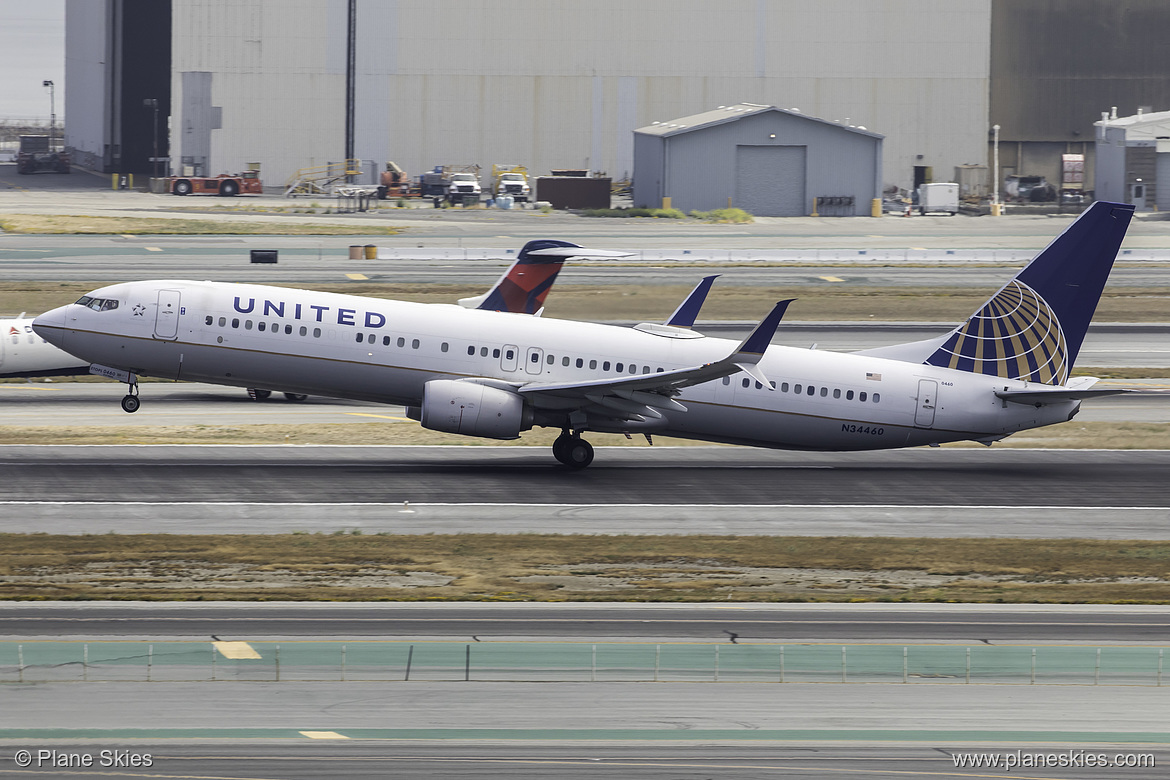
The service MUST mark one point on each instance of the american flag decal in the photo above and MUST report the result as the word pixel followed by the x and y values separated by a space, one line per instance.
pixel 874 377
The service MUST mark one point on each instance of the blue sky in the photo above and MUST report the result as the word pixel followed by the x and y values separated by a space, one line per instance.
pixel 32 49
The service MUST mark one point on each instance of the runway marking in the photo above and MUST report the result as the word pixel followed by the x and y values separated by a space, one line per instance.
pixel 28 387
pixel 236 650
pixel 356 277
pixel 323 735
pixel 473 504
pixel 831 278
pixel 379 416
pixel 152 248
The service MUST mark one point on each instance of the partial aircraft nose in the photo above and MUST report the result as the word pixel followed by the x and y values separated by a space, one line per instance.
pixel 51 326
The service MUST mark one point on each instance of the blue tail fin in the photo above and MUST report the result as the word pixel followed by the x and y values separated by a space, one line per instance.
pixel 1032 329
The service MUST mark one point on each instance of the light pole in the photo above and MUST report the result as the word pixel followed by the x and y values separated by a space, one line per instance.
pixel 52 110
pixel 153 104
pixel 995 207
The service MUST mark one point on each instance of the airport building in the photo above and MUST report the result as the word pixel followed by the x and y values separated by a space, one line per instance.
pixel 297 83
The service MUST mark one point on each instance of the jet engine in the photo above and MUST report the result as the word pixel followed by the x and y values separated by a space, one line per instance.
pixel 472 410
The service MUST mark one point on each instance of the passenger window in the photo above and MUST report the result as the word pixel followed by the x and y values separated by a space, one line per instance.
pixel 593 364
pixel 848 395
pixel 360 338
pixel 483 351
pixel 646 369
pixel 876 397
pixel 442 347
pixel 565 360
pixel 551 359
pixel 373 337
pixel 772 385
pixel 620 367
pixel 247 324
pixel 861 396
pixel 797 389
pixel 824 392
pixel 260 326
pixel 304 331
pixel 235 322
pixel 605 366
pixel 401 342
pixel 316 333
pixel 747 382
pixel 385 340
pixel 811 389
pixel 222 321
pixel 208 320
pixel 275 327
pixel 783 387
pixel 288 330
pixel 837 392
pixel 726 380
pixel 580 363
pixel 510 355
pixel 535 357
pixel 414 344
pixel 496 353
pixel 633 369
pixel 471 350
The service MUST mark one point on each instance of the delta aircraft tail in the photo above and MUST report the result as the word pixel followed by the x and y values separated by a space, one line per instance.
pixel 1033 328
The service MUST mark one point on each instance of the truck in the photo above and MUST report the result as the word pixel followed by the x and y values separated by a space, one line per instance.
pixel 37 156
pixel 226 184
pixel 511 180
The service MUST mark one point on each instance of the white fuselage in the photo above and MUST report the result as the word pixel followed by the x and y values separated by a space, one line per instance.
pixel 386 351
pixel 24 353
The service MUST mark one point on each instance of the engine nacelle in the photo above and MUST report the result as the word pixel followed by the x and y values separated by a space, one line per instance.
pixel 473 410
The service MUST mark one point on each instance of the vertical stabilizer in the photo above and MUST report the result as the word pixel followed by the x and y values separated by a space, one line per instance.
pixel 1032 329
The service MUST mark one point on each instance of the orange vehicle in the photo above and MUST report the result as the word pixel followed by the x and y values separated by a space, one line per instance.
pixel 226 184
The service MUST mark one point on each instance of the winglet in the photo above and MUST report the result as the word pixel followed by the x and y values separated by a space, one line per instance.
pixel 688 311
pixel 752 348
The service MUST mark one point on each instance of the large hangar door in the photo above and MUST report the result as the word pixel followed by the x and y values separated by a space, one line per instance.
pixel 770 180
pixel 1162 178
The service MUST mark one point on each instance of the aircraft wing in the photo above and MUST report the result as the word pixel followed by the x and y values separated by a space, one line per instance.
pixel 641 396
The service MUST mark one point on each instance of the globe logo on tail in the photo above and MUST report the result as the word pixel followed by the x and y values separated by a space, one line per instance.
pixel 1016 335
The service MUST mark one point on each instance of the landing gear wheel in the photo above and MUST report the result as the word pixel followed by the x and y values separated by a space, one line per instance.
pixel 560 445
pixel 130 404
pixel 578 454
pixel 258 395
pixel 295 396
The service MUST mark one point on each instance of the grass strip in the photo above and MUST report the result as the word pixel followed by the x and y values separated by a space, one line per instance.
pixel 821 301
pixel 532 567
pixel 67 224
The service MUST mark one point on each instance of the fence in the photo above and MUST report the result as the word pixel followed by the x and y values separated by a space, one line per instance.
pixel 571 662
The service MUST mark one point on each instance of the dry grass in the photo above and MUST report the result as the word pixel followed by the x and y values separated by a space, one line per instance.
pixel 75 225
pixel 534 567
pixel 655 302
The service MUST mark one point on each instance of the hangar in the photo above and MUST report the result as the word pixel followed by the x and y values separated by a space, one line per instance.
pixel 769 161
pixel 1133 156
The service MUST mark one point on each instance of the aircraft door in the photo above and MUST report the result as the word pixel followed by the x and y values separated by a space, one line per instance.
pixel 510 357
pixel 533 361
pixel 166 319
pixel 927 402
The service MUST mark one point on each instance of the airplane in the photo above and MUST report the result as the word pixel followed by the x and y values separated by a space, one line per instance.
pixel 25 354
pixel 494 374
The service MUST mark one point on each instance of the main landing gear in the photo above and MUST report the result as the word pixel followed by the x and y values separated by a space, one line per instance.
pixel 130 402
pixel 573 451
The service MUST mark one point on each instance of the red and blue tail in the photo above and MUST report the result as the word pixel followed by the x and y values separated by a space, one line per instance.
pixel 524 286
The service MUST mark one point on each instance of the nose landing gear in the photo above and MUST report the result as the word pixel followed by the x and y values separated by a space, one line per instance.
pixel 130 402
pixel 573 451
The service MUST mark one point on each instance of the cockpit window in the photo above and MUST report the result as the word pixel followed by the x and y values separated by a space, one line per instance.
pixel 97 304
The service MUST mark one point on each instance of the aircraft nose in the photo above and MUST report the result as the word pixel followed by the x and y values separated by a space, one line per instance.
pixel 51 326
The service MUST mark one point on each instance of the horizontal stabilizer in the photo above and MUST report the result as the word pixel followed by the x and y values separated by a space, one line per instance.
pixel 1057 395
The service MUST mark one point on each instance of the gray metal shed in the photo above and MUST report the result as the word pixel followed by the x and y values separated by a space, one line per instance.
pixel 768 161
